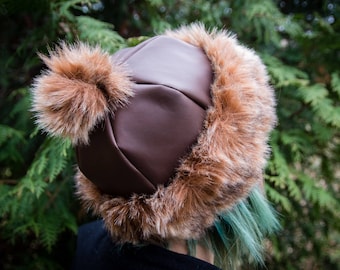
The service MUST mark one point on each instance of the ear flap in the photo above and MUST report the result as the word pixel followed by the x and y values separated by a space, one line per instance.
pixel 79 88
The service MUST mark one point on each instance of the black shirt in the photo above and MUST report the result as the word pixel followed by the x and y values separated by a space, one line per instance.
pixel 96 250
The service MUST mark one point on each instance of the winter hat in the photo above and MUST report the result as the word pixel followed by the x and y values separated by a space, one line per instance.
pixel 170 135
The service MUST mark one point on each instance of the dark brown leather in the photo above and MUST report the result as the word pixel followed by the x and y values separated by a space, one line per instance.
pixel 140 147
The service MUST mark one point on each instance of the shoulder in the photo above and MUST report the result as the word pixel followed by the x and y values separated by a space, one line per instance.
pixel 93 247
pixel 96 250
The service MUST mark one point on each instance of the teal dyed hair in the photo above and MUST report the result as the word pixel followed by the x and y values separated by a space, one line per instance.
pixel 238 234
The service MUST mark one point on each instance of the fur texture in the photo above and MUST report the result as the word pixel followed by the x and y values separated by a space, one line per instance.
pixel 223 166
pixel 79 89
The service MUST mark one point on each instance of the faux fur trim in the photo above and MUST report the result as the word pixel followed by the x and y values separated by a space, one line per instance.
pixel 223 166
pixel 79 88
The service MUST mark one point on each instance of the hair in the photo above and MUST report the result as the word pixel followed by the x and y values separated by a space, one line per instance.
pixel 238 234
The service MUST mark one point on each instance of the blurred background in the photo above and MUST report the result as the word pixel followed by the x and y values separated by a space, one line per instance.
pixel 298 40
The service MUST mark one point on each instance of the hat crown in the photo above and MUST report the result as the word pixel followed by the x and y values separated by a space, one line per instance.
pixel 139 146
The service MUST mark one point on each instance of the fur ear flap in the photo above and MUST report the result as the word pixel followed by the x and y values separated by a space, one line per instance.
pixel 80 87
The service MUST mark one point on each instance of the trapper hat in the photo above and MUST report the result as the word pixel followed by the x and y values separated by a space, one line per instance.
pixel 168 134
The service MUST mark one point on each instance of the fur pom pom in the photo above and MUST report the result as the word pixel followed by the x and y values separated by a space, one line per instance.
pixel 79 88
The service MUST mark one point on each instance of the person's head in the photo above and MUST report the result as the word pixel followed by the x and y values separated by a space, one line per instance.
pixel 170 136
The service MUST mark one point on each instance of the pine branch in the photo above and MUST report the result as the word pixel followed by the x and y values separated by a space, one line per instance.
pixel 9 181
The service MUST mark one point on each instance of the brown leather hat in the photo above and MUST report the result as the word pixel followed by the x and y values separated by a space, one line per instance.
pixel 168 134
pixel 138 147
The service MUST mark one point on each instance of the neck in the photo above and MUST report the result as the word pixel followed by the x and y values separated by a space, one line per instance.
pixel 202 252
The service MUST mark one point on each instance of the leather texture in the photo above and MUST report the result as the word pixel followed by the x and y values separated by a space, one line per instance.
pixel 139 146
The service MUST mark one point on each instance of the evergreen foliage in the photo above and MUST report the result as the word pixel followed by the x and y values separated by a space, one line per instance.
pixel 299 41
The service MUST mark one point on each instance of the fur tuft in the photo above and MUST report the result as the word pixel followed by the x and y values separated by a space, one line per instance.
pixel 79 88
pixel 221 169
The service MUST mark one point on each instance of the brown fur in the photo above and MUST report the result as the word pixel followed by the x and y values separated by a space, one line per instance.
pixel 223 166
pixel 79 89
